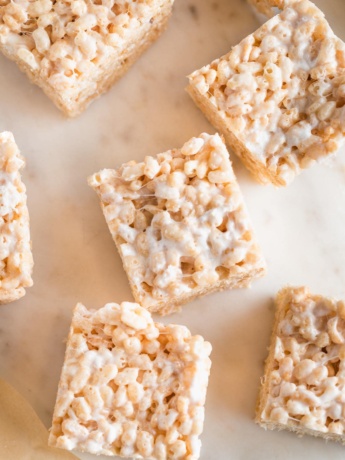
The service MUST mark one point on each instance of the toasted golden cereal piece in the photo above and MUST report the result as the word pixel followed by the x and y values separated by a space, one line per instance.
pixel 76 50
pixel 278 97
pixel 180 225
pixel 302 390
pixel 131 387
pixel 15 247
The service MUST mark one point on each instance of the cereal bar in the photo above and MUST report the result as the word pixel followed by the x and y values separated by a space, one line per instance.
pixel 179 223
pixel 131 387
pixel 15 247
pixel 76 50
pixel 303 386
pixel 269 8
pixel 278 97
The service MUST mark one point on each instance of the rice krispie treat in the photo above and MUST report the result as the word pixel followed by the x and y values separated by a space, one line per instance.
pixel 131 387
pixel 303 386
pixel 15 247
pixel 269 8
pixel 76 50
pixel 179 223
pixel 278 97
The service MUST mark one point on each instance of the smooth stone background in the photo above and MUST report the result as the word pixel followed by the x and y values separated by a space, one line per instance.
pixel 300 228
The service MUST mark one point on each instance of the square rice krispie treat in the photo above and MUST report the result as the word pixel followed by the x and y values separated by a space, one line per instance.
pixel 278 97
pixel 303 386
pixel 15 247
pixel 131 387
pixel 268 8
pixel 75 50
pixel 180 225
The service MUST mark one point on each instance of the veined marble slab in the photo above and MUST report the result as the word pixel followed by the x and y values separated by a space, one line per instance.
pixel 301 228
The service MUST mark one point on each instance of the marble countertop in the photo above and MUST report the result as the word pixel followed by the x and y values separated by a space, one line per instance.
pixel 300 228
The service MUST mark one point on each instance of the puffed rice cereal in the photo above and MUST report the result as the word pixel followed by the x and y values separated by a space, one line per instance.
pixel 268 8
pixel 16 261
pixel 75 50
pixel 131 387
pixel 303 386
pixel 179 223
pixel 278 97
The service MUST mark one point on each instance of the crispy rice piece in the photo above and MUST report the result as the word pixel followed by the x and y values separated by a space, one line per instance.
pixel 180 224
pixel 303 386
pixel 16 261
pixel 278 97
pixel 269 8
pixel 76 50
pixel 131 387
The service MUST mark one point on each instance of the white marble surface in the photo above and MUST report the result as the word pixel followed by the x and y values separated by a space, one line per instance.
pixel 301 229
